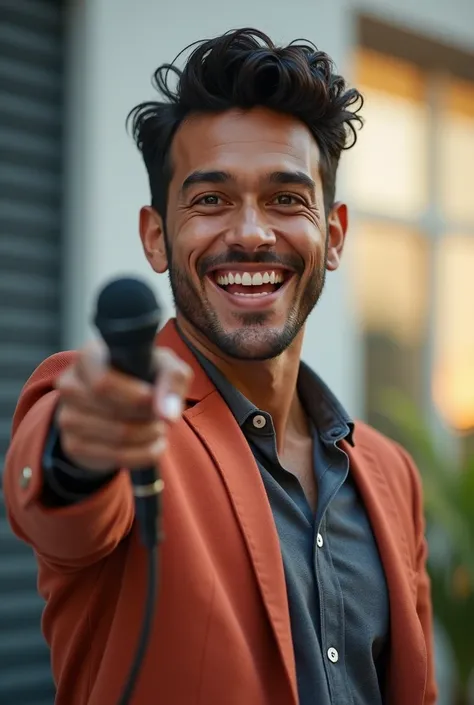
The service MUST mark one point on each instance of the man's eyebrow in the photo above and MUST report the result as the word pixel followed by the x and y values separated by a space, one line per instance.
pixel 298 178
pixel 205 177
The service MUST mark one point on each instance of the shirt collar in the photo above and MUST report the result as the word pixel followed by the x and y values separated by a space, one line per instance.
pixel 327 413
pixel 330 417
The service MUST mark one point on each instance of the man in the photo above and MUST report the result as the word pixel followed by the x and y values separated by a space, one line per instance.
pixel 293 569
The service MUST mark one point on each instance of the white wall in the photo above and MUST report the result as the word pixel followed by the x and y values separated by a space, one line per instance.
pixel 114 48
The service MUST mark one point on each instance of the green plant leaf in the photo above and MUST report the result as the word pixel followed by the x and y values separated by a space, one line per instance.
pixel 449 505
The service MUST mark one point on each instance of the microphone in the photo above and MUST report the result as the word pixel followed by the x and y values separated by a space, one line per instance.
pixel 127 317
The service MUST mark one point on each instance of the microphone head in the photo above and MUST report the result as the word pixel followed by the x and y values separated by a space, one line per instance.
pixel 128 313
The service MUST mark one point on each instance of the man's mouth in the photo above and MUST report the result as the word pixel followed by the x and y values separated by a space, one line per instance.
pixel 251 284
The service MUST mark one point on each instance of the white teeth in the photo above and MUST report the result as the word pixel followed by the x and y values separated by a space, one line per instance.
pixel 248 279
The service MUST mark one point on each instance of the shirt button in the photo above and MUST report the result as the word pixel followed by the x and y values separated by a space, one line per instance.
pixel 259 421
pixel 319 541
pixel 333 656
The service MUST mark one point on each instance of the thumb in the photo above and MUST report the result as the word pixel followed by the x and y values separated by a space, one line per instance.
pixel 93 362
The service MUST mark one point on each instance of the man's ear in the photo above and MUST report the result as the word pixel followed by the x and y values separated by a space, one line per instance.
pixel 152 234
pixel 336 234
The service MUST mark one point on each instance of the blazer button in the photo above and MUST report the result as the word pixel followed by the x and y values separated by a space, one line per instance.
pixel 25 477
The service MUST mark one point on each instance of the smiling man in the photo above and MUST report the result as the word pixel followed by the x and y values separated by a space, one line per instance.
pixel 246 238
pixel 293 569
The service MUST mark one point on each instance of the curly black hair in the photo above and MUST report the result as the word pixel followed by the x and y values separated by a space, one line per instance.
pixel 244 69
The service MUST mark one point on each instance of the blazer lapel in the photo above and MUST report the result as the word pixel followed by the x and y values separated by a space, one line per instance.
pixel 213 422
pixel 408 660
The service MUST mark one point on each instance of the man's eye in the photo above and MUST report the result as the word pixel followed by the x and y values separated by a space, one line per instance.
pixel 210 199
pixel 286 199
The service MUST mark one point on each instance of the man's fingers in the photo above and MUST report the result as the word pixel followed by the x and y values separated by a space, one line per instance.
pixel 101 457
pixel 93 385
pixel 92 427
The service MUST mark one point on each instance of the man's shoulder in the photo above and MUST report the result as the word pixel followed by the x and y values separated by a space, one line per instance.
pixel 48 370
pixel 370 438
pixel 388 456
pixel 54 364
pixel 40 382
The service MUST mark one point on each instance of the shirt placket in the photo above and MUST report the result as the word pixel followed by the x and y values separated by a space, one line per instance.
pixel 331 602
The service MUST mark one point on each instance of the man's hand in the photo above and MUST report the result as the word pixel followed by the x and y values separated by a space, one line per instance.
pixel 108 420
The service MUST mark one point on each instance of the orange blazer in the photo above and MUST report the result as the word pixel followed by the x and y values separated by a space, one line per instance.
pixel 221 634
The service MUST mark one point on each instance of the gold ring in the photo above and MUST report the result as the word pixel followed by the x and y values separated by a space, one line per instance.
pixel 148 490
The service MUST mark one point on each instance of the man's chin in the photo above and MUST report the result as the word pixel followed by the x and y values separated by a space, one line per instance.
pixel 253 342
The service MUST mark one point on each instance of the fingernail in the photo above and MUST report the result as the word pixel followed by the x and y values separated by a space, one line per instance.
pixel 172 407
pixel 159 446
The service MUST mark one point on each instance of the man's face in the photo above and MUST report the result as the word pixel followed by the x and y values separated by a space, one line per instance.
pixel 247 236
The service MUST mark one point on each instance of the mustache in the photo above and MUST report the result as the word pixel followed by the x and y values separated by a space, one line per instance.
pixel 292 262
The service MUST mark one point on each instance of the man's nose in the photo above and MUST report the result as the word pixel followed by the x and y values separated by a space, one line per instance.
pixel 250 232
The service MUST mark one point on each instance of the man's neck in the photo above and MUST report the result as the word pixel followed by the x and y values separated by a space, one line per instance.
pixel 269 384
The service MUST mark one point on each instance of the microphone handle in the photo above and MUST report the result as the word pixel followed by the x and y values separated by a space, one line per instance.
pixel 137 361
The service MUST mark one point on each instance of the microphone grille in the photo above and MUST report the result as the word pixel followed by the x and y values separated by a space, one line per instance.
pixel 126 298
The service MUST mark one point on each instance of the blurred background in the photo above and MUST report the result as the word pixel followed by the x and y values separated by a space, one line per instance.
pixel 394 332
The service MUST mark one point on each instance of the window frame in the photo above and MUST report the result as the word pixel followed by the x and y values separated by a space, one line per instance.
pixel 440 63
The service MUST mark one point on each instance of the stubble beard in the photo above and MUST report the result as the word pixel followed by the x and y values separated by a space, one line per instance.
pixel 254 339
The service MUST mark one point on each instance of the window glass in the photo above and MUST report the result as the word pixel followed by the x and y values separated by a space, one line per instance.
pixel 388 165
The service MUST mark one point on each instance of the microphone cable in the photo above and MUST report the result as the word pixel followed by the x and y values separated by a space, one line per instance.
pixel 146 626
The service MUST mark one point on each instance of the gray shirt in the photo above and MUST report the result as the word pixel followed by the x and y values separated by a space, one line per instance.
pixel 337 593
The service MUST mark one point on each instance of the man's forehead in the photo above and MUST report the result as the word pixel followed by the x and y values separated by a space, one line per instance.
pixel 255 141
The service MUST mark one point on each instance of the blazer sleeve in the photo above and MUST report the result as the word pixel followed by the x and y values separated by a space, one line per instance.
pixel 70 537
pixel 424 606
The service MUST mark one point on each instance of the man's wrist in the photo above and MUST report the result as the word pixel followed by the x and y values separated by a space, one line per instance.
pixel 65 482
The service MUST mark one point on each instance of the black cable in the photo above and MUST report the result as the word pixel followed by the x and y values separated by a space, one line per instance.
pixel 146 628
